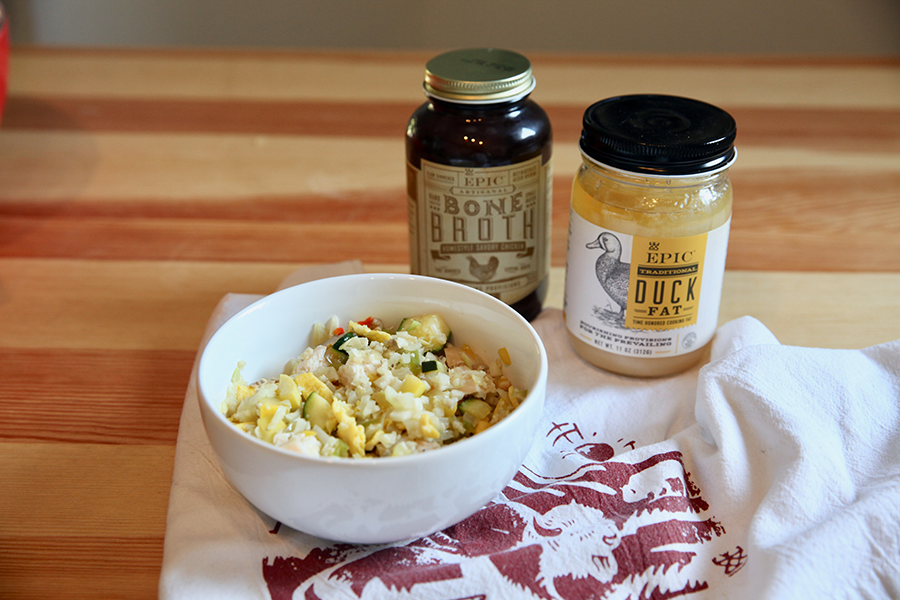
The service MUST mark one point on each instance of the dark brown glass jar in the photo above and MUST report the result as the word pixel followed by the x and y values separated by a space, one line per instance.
pixel 479 178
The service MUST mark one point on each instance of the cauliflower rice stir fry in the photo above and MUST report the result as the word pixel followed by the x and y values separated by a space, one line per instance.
pixel 371 391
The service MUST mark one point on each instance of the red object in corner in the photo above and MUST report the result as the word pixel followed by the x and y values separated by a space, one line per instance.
pixel 4 58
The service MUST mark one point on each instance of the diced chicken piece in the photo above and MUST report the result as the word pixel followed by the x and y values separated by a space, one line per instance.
pixel 357 373
pixel 464 356
pixel 425 445
pixel 311 360
pixel 307 444
pixel 471 382
pixel 453 354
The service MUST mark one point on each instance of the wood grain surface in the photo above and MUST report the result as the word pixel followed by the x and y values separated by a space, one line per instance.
pixel 138 187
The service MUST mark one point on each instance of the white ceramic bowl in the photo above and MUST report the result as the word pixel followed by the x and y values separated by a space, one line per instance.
pixel 376 500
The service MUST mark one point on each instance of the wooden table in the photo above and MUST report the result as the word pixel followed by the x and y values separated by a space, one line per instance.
pixel 138 187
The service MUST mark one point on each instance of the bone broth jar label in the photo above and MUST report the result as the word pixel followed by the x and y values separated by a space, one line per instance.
pixel 648 233
pixel 479 174
pixel 487 228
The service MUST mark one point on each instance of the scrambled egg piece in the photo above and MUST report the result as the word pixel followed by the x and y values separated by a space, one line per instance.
pixel 308 383
pixel 376 335
pixel 348 430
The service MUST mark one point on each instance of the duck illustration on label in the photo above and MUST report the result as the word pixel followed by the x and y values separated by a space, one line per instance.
pixel 612 273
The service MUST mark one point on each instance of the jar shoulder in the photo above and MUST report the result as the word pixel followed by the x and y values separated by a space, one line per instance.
pixel 676 210
pixel 653 194
pixel 478 137
pixel 444 112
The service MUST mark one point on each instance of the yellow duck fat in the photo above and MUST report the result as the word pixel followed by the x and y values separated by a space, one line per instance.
pixel 648 233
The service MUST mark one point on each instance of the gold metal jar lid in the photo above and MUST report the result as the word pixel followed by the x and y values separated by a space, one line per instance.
pixel 479 76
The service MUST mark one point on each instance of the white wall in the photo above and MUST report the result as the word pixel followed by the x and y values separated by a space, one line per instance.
pixel 797 27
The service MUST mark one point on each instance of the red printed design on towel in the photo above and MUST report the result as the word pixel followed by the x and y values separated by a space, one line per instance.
pixel 732 562
pixel 591 528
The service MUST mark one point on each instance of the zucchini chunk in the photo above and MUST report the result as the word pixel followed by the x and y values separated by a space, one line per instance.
pixel 431 329
pixel 341 448
pixel 338 344
pixel 479 409
pixel 318 411
pixel 473 412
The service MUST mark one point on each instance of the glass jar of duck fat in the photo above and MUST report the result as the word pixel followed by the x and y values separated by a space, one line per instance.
pixel 479 176
pixel 648 233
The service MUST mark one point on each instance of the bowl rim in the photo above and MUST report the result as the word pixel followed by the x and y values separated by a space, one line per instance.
pixel 444 452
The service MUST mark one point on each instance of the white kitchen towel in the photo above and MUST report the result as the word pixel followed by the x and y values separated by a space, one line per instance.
pixel 772 472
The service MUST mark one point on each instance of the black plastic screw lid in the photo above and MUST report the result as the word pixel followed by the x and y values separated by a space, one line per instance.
pixel 658 134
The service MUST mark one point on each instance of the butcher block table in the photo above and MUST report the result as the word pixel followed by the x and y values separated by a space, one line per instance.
pixel 138 187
